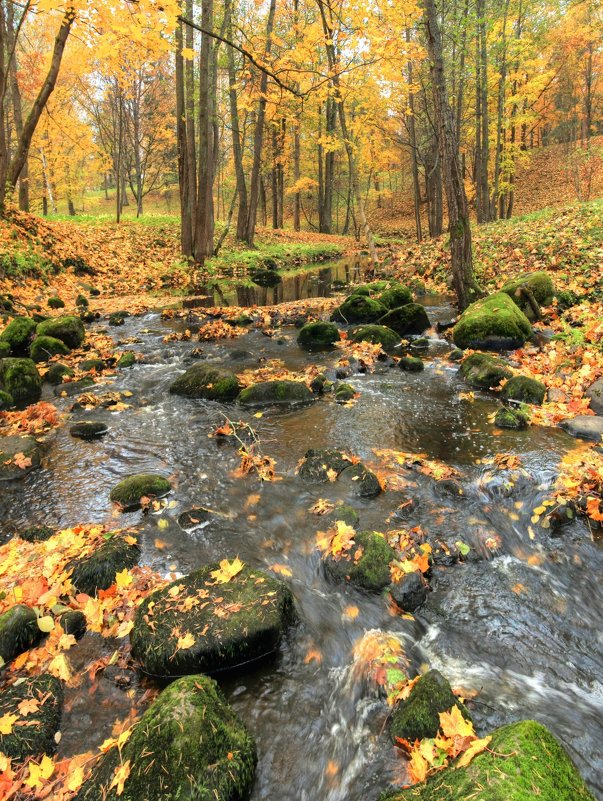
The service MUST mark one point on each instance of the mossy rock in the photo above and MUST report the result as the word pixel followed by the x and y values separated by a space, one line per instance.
pixel 319 464
pixel 115 320
pixel 13 446
pixel 370 289
pixel 377 335
pixel 493 323
pixel 346 514
pixel 4 350
pixel 18 335
pixel 524 389
pixel 127 359
pixel 409 319
pixel 411 364
pixel 72 388
pixel 188 746
pixel 92 364
pixel 276 393
pixel 232 623
pixel 523 762
pixel 55 303
pixel 358 309
pixel 82 301
pixel 410 592
pixel 73 622
pixel 44 348
pixel 37 533
pixel 32 741
pixel 89 429
pixel 395 297
pixel 19 631
pixel 508 417
pixel 419 715
pixel 68 329
pixel 6 401
pixel 97 571
pixel 318 336
pixel 344 393
pixel 539 284
pixel 483 371
pixel 366 564
pixel 20 378
pixel 128 493
pixel 361 481
pixel 208 382
pixel 56 373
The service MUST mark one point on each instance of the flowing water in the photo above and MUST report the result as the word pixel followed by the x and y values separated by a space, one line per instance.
pixel 523 633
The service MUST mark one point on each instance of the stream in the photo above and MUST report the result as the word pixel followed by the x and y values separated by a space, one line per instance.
pixel 518 625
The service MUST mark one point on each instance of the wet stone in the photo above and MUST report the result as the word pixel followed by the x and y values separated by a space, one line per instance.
pixel 194 518
pixel 89 429
pixel 318 465
pixel 585 427
pixel 365 565
pixel 410 592
pixel 129 492
pixel 361 481
pixel 98 570
pixel 35 740
pixel 19 631
pixel 18 457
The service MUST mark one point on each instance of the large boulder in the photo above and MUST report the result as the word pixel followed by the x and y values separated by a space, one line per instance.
pixel 360 481
pixel 483 371
pixel 595 393
pixel 19 631
pixel 376 335
pixel 419 715
pixel 321 465
pixel 533 765
pixel 318 336
pixel 493 323
pixel 44 348
pixel 276 393
pixel 68 329
pixel 406 320
pixel 18 335
pixel 20 378
pixel 130 491
pixel 359 308
pixel 585 426
pixel 396 296
pixel 188 746
pixel 38 738
pixel 365 564
pixel 18 457
pixel 98 570
pixel 210 620
pixel 529 291
pixel 524 389
pixel 208 382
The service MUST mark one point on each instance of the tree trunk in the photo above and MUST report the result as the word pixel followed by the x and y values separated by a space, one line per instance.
pixel 412 131
pixel 17 105
pixel 186 234
pixel 500 129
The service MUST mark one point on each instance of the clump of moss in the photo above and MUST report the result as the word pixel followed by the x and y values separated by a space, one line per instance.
pixel 18 334
pixel 493 323
pixel 318 335
pixel 483 371
pixel 127 359
pixel 366 564
pixel 32 741
pixel 56 373
pixel 97 571
pixel 408 319
pixel 395 297
pixel 55 303
pixel 346 514
pixel 377 335
pixel 20 378
pixel 508 417
pixel 344 392
pixel 44 348
pixel 208 382
pixel 37 533
pixel 526 287
pixel 524 389
pixel 6 401
pixel 68 329
pixel 129 492
pixel 276 393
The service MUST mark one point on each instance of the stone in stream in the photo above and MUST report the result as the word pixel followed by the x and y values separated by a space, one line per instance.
pixel 89 429
pixel 69 330
pixel 56 373
pixel 92 364
pixel 361 481
pixel 6 401
pixel 493 323
pixel 44 348
pixel 208 382
pixel 37 533
pixel 528 288
pixel 509 417
pixel 483 371
pixel 18 457
pixel 595 393
pixel 395 296
pixel 410 592
pixel 20 378
pixel 376 335
pixel 276 393
pixel 18 335
pixel 534 766
pixel 129 492
pixel 344 392
pixel 419 715
pixel 411 364
pixel 358 309
pixel 127 359
pixel 194 518
pixel 318 336
pixel 318 465
pixel 409 319
pixel 19 631
pixel 188 746
pixel 73 387
pixel 226 623
pixel 346 514
pixel 524 389
pixel 73 622
pixel 33 740
pixel 97 571
pixel 585 427
pixel 365 565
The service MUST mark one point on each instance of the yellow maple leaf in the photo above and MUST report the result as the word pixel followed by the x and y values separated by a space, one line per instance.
pixel 60 667
pixel 185 642
pixel 453 724
pixel 75 779
pixel 476 747
pixel 6 723
pixel 123 579
pixel 227 570
pixel 417 767
pixel 39 773
pixel 120 776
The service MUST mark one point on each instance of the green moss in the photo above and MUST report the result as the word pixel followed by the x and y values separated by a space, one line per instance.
pixel 395 297
pixel 493 323
pixel 525 389
pixel 37 533
pixel 370 289
pixel 208 382
pixel 56 373
pixel 44 348
pixel 318 335
pixel 97 571
pixel 377 335
pixel 232 623
pixel 507 417
pixel 32 741
pixel 358 309
pixel 56 303
pixel 419 715
pixel 408 319
pixel 82 301
pixel 188 746
pixel 346 514
pixel 20 378
pixel 366 565
pixel 127 359
pixel 411 364
pixel 483 371
pixel 19 632
pixel 4 350
pixel 276 393
pixel 318 464
pixel 344 393
pixel 361 481
pixel 142 485
pixel 6 401
pixel 524 762
pixel 115 320
pixel 540 284
pixel 69 330
pixel 92 364
pixel 18 334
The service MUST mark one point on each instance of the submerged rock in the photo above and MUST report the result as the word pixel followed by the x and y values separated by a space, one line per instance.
pixel 585 427
pixel 34 740
pixel 276 393
pixel 226 624
pixel 344 392
pixel 524 389
pixel 346 514
pixel 56 373
pixel 493 323
pixel 483 371
pixel 208 382
pixel 18 457
pixel 411 364
pixel 74 387
pixel 534 765
pixel 188 746
pixel 19 631
pixel 409 319
pixel 377 335
pixel 508 417
pixel 89 429
pixel 129 492
pixel 359 308
pixel 365 565
pixel 194 518
pixel 18 335
pixel 69 330
pixel 44 348
pixel 318 465
pixel 97 571
pixel 20 378
pixel 361 481
pixel 318 336
pixel 410 592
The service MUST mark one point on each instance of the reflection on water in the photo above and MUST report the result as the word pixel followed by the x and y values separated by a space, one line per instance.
pixel 522 633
